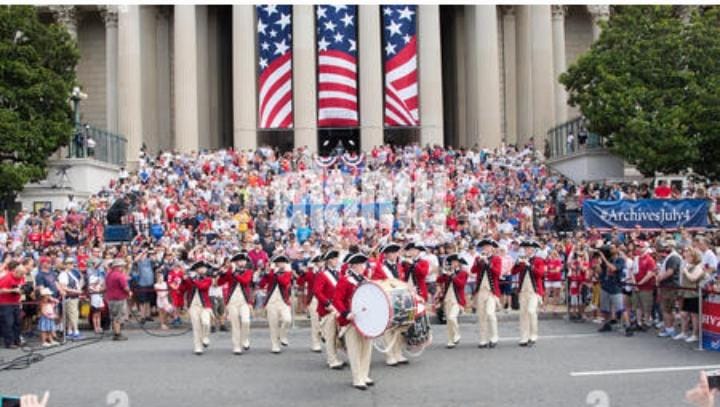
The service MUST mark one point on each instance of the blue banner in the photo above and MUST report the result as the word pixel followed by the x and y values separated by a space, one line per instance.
pixel 647 213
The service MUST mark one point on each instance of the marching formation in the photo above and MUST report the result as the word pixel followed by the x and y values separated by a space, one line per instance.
pixel 355 299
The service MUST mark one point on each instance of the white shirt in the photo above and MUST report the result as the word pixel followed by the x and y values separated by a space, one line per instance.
pixel 710 260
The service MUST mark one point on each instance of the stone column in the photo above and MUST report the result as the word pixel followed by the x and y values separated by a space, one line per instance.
pixel 304 78
pixel 510 74
pixel 542 72
pixel 524 103
pixel 460 138
pixel 162 86
pixel 110 15
pixel 558 28
pixel 371 85
pixel 430 71
pixel 244 78
pixel 130 108
pixel 598 12
pixel 186 79
pixel 66 16
pixel 484 65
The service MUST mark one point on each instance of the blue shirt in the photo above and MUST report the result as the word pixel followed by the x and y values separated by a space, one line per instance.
pixel 146 277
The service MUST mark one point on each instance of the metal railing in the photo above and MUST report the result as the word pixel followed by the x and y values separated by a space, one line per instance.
pixel 101 145
pixel 581 140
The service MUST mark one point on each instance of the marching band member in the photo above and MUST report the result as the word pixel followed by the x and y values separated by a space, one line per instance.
pixel 324 290
pixel 532 271
pixel 390 267
pixel 306 279
pixel 453 300
pixel 198 284
pixel 416 270
pixel 359 348
pixel 278 282
pixel 239 277
pixel 488 269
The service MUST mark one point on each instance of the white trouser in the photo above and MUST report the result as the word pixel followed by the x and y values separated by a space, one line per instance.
pixel 314 324
pixel 200 319
pixel 239 312
pixel 529 302
pixel 452 310
pixel 394 352
pixel 359 352
pixel 330 332
pixel 487 304
pixel 279 319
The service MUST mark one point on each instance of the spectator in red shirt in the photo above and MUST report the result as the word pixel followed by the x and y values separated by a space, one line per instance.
pixel 642 297
pixel 117 291
pixel 10 292
pixel 662 190
pixel 553 280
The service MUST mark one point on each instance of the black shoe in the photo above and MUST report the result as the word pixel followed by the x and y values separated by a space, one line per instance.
pixel 223 328
pixel 246 347
pixel 523 344
pixel 119 337
pixel 531 344
pixel 483 346
pixel 629 332
pixel 403 362
pixel 338 367
pixel 283 343
pixel 360 386
pixel 213 329
pixel 491 345
pixel 605 328
pixel 370 383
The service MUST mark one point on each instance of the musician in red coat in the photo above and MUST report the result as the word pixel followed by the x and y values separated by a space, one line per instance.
pixel 359 348
pixel 453 280
pixel 416 270
pixel 305 280
pixel 389 267
pixel 487 269
pixel 239 278
pixel 278 283
pixel 196 286
pixel 323 291
pixel 531 270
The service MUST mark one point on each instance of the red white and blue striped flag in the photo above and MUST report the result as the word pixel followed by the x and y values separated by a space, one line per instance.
pixel 274 45
pixel 400 58
pixel 337 65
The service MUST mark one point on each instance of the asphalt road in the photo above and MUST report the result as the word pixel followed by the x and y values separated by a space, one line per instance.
pixel 159 372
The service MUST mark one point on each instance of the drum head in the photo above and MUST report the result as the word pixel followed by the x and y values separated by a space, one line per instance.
pixel 371 307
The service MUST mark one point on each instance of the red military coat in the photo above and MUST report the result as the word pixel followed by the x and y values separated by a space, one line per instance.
pixel 281 281
pixel 198 285
pixel 384 269
pixel 343 297
pixel 306 280
pixel 324 290
pixel 417 271
pixel 536 268
pixel 493 270
pixel 458 284
pixel 238 279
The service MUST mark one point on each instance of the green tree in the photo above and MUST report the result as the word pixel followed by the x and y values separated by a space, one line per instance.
pixel 37 74
pixel 650 88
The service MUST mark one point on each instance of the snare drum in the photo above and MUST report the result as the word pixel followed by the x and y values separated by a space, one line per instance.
pixel 379 305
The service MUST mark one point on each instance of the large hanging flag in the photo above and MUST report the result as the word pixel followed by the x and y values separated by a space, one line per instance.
pixel 274 45
pixel 400 58
pixel 337 65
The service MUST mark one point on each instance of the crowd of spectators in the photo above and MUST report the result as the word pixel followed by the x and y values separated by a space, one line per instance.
pixel 209 205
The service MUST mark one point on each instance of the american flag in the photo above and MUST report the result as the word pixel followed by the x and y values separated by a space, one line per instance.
pixel 400 52
pixel 274 44
pixel 337 65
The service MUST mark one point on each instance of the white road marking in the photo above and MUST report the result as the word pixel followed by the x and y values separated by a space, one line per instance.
pixel 643 370
pixel 569 336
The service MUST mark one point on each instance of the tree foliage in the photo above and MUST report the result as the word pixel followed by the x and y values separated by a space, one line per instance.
pixel 651 85
pixel 37 74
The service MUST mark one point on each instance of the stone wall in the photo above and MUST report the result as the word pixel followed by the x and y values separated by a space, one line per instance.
pixel 578 38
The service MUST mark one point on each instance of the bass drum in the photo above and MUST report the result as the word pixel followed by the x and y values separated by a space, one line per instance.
pixel 379 305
